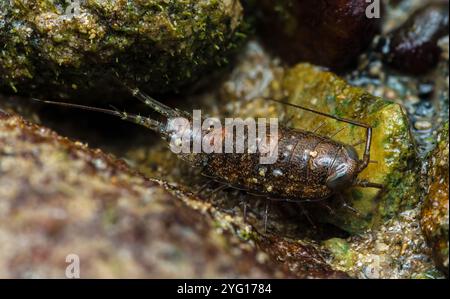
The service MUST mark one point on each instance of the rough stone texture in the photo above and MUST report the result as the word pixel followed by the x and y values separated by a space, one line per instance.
pixel 392 144
pixel 58 197
pixel 160 45
pixel 327 33
pixel 435 212
pixel 393 248
pixel 413 47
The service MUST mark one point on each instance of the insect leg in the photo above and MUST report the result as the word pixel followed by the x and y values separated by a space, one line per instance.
pixel 366 156
pixel 203 187
pixel 367 184
pixel 358 143
pixel 347 206
pixel 337 132
pixel 295 200
pixel 245 207
pixel 330 210
pixel 218 189
pixel 319 127
pixel 306 214
pixel 266 214
pixel 289 119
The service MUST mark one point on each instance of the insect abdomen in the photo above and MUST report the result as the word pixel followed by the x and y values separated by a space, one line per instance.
pixel 300 171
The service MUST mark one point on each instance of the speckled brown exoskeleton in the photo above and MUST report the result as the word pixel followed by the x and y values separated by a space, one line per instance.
pixel 309 167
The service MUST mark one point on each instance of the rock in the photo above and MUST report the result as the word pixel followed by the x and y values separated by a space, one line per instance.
pixel 299 257
pixel 435 213
pixel 340 250
pixel 413 47
pixel 160 45
pixel 326 33
pixel 393 146
pixel 58 197
pixel 395 250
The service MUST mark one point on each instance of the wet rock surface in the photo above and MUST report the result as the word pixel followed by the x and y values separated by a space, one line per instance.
pixel 435 213
pixel 413 47
pixel 393 146
pixel 424 97
pixel 58 197
pixel 393 248
pixel 159 45
pixel 302 240
pixel 326 33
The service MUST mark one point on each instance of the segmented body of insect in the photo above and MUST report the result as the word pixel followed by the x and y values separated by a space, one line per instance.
pixel 309 167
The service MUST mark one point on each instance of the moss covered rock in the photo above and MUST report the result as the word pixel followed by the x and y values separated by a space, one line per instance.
pixel 393 147
pixel 162 45
pixel 435 209
pixel 341 251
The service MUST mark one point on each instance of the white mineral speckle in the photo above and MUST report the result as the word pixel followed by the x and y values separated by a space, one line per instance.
pixel 277 173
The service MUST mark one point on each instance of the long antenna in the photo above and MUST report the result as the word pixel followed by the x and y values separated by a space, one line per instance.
pixel 137 119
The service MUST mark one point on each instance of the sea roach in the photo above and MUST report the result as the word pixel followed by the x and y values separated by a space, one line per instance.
pixel 309 168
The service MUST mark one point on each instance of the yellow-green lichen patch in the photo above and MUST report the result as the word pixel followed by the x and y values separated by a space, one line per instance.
pixel 392 145
pixel 342 254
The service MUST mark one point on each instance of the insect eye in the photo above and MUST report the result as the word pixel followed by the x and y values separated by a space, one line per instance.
pixel 339 178
pixel 352 153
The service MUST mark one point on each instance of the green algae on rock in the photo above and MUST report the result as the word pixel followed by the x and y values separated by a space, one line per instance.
pixel 161 45
pixel 435 211
pixel 340 251
pixel 393 147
